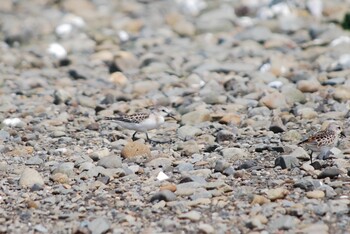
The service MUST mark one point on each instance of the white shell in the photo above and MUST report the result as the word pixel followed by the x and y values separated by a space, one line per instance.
pixel 162 176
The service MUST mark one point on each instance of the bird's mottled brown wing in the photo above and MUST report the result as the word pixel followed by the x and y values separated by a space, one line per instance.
pixel 135 118
pixel 318 138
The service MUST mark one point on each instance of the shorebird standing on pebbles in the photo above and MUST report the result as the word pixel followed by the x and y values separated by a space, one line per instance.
pixel 323 140
pixel 143 122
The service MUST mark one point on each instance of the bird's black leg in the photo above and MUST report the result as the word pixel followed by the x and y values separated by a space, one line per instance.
pixel 148 139
pixel 134 136
pixel 311 156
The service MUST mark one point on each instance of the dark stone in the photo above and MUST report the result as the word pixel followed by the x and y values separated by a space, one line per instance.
pixel 317 165
pixel 331 172
pixel 287 161
pixel 36 187
pixel 109 99
pixel 211 148
pixel 76 75
pixel 278 149
pixel 224 135
pixel 64 62
pixel 93 126
pixel 185 180
pixel 247 164
pixel 164 195
pixel 261 147
pixel 277 125
pixel 308 185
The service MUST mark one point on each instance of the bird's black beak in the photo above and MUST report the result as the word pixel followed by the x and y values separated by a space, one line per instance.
pixel 342 134
pixel 170 115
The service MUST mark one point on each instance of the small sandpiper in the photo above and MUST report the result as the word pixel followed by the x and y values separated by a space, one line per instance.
pixel 323 140
pixel 143 122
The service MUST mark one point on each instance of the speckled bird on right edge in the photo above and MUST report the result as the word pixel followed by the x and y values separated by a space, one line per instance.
pixel 323 140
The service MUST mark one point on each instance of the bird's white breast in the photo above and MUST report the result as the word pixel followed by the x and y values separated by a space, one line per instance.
pixel 152 122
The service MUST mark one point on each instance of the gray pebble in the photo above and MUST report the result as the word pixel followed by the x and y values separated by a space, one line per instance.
pixel 40 228
pixel 30 177
pixel 287 161
pixel 330 172
pixel 65 168
pixel 99 225
pixel 112 161
pixel 4 135
pixel 229 171
pixel 247 164
pixel 57 134
pixel 233 154
pixel 221 165
pixel 284 222
pixel 36 160
pixel 183 167
pixel 201 193
pixel 308 184
pixel 188 132
pixel 160 163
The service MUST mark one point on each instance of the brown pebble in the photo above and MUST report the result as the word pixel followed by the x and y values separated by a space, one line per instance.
pixel 134 149
pixel 93 126
pixel 32 204
pixel 60 178
pixel 258 199
pixel 170 187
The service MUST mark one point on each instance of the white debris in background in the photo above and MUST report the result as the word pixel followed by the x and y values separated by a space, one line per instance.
pixel 275 9
pixel 315 7
pixel 340 40
pixel 193 7
pixel 275 84
pixel 64 30
pixel 69 23
pixel 74 20
pixel 123 36
pixel 57 51
pixel 12 122
pixel 245 21
pixel 61 150
pixel 265 67
pixel 162 176
pixel 281 8
pixel 344 61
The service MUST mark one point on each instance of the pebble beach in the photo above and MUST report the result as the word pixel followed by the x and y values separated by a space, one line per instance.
pixel 245 80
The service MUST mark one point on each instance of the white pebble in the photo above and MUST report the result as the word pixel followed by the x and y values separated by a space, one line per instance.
pixel 265 67
pixel 64 30
pixel 340 40
pixel 245 21
pixel 344 60
pixel 12 122
pixel 275 84
pixel 61 150
pixel 193 7
pixel 315 7
pixel 281 8
pixel 57 50
pixel 123 36
pixel 162 176
pixel 75 20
